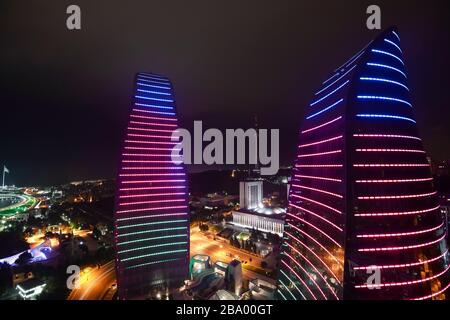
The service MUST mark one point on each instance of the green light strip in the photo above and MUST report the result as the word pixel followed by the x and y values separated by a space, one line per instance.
pixel 154 238
pixel 150 231
pixel 288 290
pixel 153 254
pixel 293 284
pixel 150 223
pixel 149 263
pixel 153 246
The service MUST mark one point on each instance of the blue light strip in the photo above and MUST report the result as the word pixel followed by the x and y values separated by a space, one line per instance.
pixel 323 110
pixel 385 98
pixel 329 94
pixel 332 77
pixel 384 80
pixel 394 44
pixel 384 116
pixel 154 92
pixel 386 67
pixel 153 81
pixel 154 78
pixel 395 34
pixel 155 99
pixel 388 54
pixel 153 106
pixel 153 86
pixel 319 92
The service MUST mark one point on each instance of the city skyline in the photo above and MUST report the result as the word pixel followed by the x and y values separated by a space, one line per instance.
pixel 224 76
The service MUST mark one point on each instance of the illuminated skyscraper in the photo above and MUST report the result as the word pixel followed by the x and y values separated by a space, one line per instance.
pixel 362 206
pixel 151 215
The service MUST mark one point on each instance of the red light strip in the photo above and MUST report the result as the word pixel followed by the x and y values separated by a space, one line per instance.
pixel 148 155
pixel 322 125
pixel 409 196
pixel 387 235
pixel 149 136
pixel 315 269
pixel 152 188
pixel 152 149
pixel 300 278
pixel 153 216
pixel 403 247
pixel 316 202
pixel 317 216
pixel 318 165
pixel 315 228
pixel 151 181
pixel 319 142
pixel 317 178
pixel 315 255
pixel 155 118
pixel 387 214
pixel 148 202
pixel 151 209
pixel 152 142
pixel 318 154
pixel 385 136
pixel 153 124
pixel 434 294
pixel 390 150
pixel 307 273
pixel 152 168
pixel 150 174
pixel 394 284
pixel 388 165
pixel 147 161
pixel 152 130
pixel 317 242
pixel 318 190
pixel 153 195
pixel 403 265
pixel 394 181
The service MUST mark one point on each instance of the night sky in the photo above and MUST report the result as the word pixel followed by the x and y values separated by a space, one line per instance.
pixel 64 95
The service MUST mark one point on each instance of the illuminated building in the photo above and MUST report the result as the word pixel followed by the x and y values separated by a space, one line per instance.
pixel 30 289
pixel 233 277
pixel 362 201
pixel 151 211
pixel 198 264
pixel 262 219
pixel 250 193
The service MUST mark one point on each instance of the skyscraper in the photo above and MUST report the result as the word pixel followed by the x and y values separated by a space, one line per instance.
pixel 151 215
pixel 250 193
pixel 363 219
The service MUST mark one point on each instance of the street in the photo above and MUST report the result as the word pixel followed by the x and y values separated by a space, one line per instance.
pixel 96 284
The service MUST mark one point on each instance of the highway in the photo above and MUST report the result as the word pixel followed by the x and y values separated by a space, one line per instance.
pixel 96 284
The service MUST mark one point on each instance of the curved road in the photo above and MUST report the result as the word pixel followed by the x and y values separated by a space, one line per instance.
pixel 97 285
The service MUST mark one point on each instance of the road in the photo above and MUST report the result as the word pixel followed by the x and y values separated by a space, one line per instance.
pixel 217 250
pixel 96 284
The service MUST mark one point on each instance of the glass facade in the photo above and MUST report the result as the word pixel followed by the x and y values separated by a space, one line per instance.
pixel 363 219
pixel 151 215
